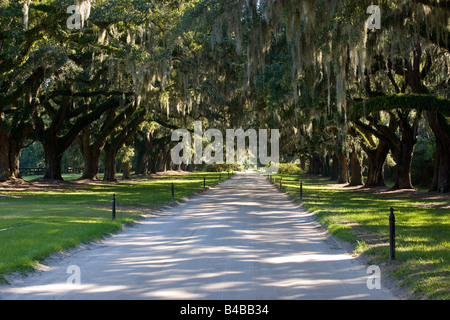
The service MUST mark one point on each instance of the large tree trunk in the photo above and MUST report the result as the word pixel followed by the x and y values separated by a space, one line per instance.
pixel 444 172
pixel 335 168
pixel 10 145
pixel 376 159
pixel 326 166
pixel 402 147
pixel 5 170
pixel 403 153
pixel 403 158
pixel 403 180
pixel 91 155
pixel 441 130
pixel 91 160
pixel 302 163
pixel 343 168
pixel 52 163
pixel 141 161
pixel 315 165
pixel 14 155
pixel 110 163
pixel 126 170
pixel 356 172
pixel 437 164
pixel 143 153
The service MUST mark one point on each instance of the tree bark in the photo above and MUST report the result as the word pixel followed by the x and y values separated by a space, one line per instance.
pixel 326 166
pixel 13 137
pixel 376 159
pixel 10 146
pixel 91 154
pixel 5 170
pixel 437 164
pixel 343 168
pixel 441 130
pixel 52 161
pixel 444 172
pixel 14 155
pixel 143 152
pixel 91 161
pixel 403 158
pixel 110 163
pixel 403 150
pixel 126 170
pixel 9 155
pixel 335 168
pixel 356 171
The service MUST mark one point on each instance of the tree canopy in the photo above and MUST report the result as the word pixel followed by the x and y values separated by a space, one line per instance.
pixel 342 80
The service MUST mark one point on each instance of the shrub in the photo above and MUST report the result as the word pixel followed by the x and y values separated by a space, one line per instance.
pixel 289 168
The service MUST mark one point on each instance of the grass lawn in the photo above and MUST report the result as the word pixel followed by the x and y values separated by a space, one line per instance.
pixel 361 217
pixel 38 221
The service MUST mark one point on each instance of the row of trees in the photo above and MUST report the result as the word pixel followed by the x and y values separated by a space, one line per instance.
pixel 338 91
pixel 345 91
pixel 98 86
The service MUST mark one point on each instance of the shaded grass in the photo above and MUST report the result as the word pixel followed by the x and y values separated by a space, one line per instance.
pixel 34 224
pixel 362 218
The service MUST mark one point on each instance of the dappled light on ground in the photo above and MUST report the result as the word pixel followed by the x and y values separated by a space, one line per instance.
pixel 241 240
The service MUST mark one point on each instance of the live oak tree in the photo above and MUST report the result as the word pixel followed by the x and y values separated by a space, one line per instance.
pixel 330 43
pixel 80 76
pixel 336 89
pixel 26 61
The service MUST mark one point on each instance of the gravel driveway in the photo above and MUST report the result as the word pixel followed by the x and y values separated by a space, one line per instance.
pixel 240 240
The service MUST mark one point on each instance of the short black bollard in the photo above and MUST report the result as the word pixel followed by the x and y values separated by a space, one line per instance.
pixel 301 191
pixel 204 182
pixel 281 183
pixel 173 193
pixel 114 207
pixel 391 235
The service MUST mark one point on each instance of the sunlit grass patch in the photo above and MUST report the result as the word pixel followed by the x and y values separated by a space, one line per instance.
pixel 361 217
pixel 36 223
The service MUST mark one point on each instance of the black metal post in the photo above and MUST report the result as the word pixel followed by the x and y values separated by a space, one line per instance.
pixel 204 182
pixel 391 235
pixel 281 183
pixel 173 193
pixel 114 207
pixel 301 191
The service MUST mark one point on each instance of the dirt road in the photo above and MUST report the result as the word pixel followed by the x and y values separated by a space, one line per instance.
pixel 243 239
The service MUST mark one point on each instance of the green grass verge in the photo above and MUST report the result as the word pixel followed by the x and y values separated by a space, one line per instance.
pixel 36 224
pixel 361 218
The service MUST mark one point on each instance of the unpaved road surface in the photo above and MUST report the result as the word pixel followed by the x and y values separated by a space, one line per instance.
pixel 240 240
